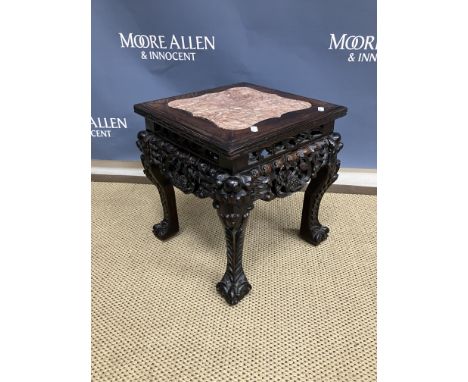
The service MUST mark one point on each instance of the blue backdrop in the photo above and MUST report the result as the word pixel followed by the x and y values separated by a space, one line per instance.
pixel 150 49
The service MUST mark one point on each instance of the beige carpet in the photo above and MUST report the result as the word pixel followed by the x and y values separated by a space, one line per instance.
pixel 156 316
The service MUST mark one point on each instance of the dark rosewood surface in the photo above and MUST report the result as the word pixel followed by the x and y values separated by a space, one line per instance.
pixel 233 142
pixel 236 168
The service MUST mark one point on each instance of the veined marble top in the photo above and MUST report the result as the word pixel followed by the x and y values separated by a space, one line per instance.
pixel 239 107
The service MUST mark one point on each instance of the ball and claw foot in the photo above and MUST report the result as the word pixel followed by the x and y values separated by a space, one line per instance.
pixel 316 234
pixel 163 230
pixel 233 292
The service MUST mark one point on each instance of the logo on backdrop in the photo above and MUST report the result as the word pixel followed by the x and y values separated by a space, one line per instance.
pixel 104 127
pixel 167 48
pixel 359 48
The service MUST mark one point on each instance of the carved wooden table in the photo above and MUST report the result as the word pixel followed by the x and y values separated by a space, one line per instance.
pixel 237 144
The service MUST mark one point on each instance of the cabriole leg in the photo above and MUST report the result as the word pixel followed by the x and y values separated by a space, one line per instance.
pixel 169 226
pixel 311 229
pixel 234 215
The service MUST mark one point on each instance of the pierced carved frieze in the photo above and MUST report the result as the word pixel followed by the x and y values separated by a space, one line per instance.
pixel 280 177
pixel 283 146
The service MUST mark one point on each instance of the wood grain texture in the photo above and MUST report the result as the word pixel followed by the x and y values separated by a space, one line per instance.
pixel 237 167
pixel 232 143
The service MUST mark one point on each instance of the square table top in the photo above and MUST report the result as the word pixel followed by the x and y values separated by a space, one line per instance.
pixel 239 117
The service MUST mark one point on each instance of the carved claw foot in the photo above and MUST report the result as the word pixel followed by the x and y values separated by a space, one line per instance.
pixel 316 234
pixel 164 230
pixel 233 292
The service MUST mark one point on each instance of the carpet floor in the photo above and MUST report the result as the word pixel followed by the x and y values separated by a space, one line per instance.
pixel 156 315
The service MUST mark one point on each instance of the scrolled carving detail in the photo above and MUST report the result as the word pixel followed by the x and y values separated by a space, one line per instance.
pixel 279 177
pixel 234 194
pixel 161 229
pixel 234 284
pixel 311 229
pixel 169 226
